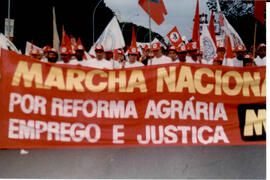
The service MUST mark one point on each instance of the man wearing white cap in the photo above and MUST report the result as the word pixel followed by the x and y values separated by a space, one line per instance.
pixel 158 58
pixel 133 58
pixel 52 55
pixel 182 52
pixel 260 60
pixel 192 56
pixel 66 55
pixel 99 62
pixel 240 52
pixel 172 54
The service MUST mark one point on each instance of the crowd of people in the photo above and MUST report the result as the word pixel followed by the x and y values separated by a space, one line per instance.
pixel 156 54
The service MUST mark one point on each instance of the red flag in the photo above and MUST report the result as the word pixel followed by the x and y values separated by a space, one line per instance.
pixel 212 28
pixel 196 26
pixel 175 37
pixel 155 8
pixel 229 52
pixel 259 8
pixel 133 40
pixel 65 40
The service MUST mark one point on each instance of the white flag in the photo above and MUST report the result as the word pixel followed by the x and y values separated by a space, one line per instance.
pixel 28 48
pixel 226 28
pixel 5 43
pixel 111 38
pixel 207 45
pixel 56 40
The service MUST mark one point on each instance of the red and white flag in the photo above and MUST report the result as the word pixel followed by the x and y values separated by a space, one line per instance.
pixel 155 9
pixel 259 8
pixel 175 37
pixel 226 28
pixel 133 39
pixel 196 26
pixel 211 28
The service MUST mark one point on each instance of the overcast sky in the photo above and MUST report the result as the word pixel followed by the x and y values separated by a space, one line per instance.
pixel 180 14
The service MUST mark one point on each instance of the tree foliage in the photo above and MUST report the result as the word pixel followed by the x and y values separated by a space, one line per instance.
pixel 240 14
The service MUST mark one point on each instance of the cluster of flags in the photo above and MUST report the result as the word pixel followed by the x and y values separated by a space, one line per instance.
pixel 112 37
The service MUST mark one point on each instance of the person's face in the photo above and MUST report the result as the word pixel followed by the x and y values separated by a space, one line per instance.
pixel 182 56
pixel 262 52
pixel 121 57
pixel 66 57
pixel 240 55
pixel 132 58
pixel 99 54
pixel 79 55
pixel 52 57
pixel 157 53
pixel 221 52
pixel 108 55
pixel 193 55
pixel 172 55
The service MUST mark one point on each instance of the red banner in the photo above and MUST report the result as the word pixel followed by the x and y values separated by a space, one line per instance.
pixel 46 105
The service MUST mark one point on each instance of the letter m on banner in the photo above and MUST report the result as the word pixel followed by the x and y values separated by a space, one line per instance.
pixel 175 37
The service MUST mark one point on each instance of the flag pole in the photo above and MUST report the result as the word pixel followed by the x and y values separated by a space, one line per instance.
pixel 150 37
pixel 8 19
pixel 254 42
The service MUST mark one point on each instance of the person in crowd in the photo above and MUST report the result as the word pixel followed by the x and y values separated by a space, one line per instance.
pixel 121 57
pixel 182 52
pixel 218 60
pixel 109 55
pixel 79 52
pixel 36 53
pixel 158 58
pixel 99 61
pixel 45 53
pixel 133 55
pixel 260 60
pixel 115 60
pixel 78 58
pixel 221 50
pixel 173 54
pixel 240 52
pixel 145 55
pixel 248 60
pixel 52 55
pixel 200 58
pixel 66 55
pixel 192 56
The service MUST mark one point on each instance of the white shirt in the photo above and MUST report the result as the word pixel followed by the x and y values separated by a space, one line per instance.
pixel 190 60
pixel 73 62
pixel 116 64
pixel 234 62
pixel 135 64
pixel 260 61
pixel 175 61
pixel 100 64
pixel 44 59
pixel 161 60
pixel 204 61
